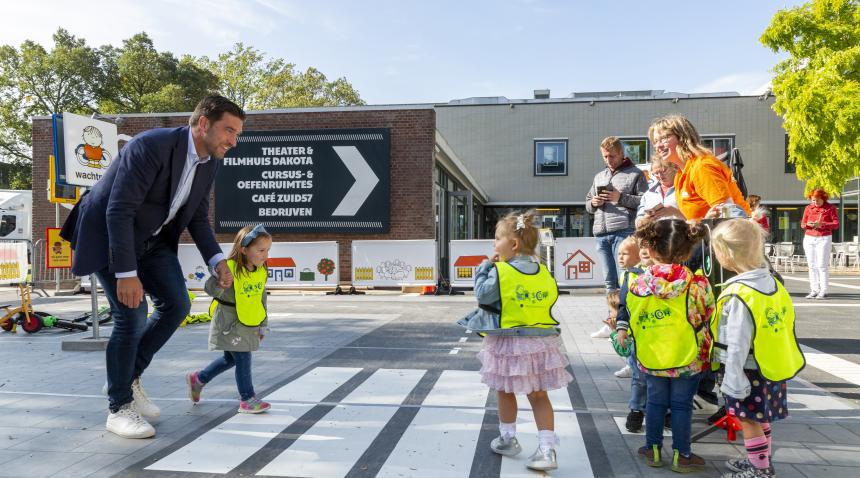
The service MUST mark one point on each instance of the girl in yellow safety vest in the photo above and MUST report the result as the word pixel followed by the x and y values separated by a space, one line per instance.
pixel 753 329
pixel 668 308
pixel 238 317
pixel 522 351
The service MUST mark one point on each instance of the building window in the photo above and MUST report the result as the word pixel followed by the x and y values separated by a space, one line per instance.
pixel 719 144
pixel 550 157
pixel 789 166
pixel 636 149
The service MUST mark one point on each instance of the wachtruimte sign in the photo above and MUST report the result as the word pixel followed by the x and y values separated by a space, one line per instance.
pixel 329 180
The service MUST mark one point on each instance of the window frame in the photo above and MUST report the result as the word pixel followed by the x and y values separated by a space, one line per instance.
pixel 536 142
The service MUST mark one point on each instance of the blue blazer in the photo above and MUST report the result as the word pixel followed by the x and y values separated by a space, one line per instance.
pixel 111 222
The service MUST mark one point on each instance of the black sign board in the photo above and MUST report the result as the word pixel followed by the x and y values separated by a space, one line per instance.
pixel 328 180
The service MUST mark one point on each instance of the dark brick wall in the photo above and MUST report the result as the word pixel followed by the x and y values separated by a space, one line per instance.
pixel 412 141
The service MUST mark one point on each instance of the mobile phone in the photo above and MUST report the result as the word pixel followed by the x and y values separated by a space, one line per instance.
pixel 602 189
pixel 656 208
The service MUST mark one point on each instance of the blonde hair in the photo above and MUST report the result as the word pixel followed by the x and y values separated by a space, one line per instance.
pixel 739 244
pixel 236 253
pixel 527 236
pixel 628 242
pixel 612 143
pixel 689 141
pixel 657 160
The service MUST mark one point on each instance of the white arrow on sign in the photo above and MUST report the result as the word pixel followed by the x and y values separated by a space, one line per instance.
pixel 365 181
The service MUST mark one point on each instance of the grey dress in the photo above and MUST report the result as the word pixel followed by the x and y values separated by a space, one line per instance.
pixel 225 331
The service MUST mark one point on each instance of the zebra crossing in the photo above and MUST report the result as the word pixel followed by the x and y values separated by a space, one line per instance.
pixel 339 421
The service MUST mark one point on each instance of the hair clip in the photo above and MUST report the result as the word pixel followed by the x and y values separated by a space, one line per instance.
pixel 521 222
pixel 252 234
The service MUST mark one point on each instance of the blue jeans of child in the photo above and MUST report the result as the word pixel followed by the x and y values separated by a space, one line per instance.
pixel 135 337
pixel 670 393
pixel 607 247
pixel 637 385
pixel 242 362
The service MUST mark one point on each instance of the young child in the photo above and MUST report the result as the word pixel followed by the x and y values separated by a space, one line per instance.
pixel 754 340
pixel 522 351
pixel 238 317
pixel 628 258
pixel 669 307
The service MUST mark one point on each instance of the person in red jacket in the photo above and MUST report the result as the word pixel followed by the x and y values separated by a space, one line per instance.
pixel 819 221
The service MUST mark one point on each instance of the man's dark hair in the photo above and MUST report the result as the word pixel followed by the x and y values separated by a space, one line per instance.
pixel 213 108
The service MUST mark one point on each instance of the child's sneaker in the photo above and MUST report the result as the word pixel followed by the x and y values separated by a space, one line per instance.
pixel 687 464
pixel 194 387
pixel 739 464
pixel 253 405
pixel 634 421
pixel 652 456
pixel 543 459
pixel 509 447
pixel 624 372
pixel 753 473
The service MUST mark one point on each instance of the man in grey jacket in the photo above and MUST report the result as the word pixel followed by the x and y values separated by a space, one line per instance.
pixel 613 199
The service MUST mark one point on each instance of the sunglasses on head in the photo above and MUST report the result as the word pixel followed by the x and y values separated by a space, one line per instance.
pixel 252 234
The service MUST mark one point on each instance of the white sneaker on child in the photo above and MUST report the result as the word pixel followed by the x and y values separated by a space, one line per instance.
pixel 625 372
pixel 603 333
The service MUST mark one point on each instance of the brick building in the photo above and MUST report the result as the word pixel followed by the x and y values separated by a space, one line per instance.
pixel 414 155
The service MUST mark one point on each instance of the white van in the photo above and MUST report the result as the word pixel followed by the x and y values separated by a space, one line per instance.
pixel 16 213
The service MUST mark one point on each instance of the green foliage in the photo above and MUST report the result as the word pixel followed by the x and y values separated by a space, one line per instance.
pixel 817 88
pixel 137 78
pixel 256 83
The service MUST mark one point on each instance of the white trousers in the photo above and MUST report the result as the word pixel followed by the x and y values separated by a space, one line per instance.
pixel 817 250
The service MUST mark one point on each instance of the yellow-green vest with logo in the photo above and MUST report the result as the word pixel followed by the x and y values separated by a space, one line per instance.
pixel 249 288
pixel 774 345
pixel 663 335
pixel 526 299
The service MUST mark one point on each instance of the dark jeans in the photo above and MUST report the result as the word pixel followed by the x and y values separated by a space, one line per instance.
pixel 674 394
pixel 135 338
pixel 637 385
pixel 607 247
pixel 242 362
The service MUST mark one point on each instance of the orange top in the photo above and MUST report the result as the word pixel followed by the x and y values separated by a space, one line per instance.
pixel 93 153
pixel 704 183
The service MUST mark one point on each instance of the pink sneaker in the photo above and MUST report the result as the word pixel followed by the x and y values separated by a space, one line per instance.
pixel 253 405
pixel 194 387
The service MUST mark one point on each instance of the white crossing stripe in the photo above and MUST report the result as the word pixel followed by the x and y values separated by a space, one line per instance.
pixel 333 445
pixel 226 446
pixel 571 454
pixel 440 443
pixel 844 369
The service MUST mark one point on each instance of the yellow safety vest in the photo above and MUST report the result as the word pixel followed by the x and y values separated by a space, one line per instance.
pixel 248 289
pixel 774 346
pixel 526 299
pixel 661 331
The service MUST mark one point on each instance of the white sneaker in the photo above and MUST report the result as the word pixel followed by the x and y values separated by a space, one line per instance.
pixel 128 423
pixel 625 372
pixel 811 295
pixel 603 333
pixel 141 402
pixel 821 295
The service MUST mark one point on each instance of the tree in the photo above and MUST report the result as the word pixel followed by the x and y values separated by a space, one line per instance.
pixel 139 79
pixel 34 81
pixel 817 88
pixel 246 77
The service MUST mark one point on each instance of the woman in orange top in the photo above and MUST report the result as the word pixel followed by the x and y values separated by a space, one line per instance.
pixel 704 183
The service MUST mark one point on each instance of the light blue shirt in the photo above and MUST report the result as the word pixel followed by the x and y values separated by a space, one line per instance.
pixel 654 196
pixel 183 190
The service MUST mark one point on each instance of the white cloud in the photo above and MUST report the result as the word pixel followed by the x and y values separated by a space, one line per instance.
pixel 745 83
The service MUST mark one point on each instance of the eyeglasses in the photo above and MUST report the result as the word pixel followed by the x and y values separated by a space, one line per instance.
pixel 252 234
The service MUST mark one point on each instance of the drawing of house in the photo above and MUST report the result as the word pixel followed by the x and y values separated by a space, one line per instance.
pixel 578 266
pixel 464 267
pixel 281 269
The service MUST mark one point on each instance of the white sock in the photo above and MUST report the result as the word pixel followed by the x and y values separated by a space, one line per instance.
pixel 547 439
pixel 508 430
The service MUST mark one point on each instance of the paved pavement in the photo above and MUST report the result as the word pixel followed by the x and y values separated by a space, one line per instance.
pixel 386 385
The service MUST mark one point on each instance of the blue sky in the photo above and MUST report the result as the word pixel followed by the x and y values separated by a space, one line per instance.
pixel 434 51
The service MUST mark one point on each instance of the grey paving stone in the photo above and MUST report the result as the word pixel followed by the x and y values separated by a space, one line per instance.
pixel 40 464
pixel 819 471
pixel 839 455
pixel 58 440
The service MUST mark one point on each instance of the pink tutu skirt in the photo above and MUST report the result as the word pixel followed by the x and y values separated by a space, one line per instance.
pixel 523 364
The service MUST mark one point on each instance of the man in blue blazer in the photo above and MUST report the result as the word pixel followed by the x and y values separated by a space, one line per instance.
pixel 126 230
